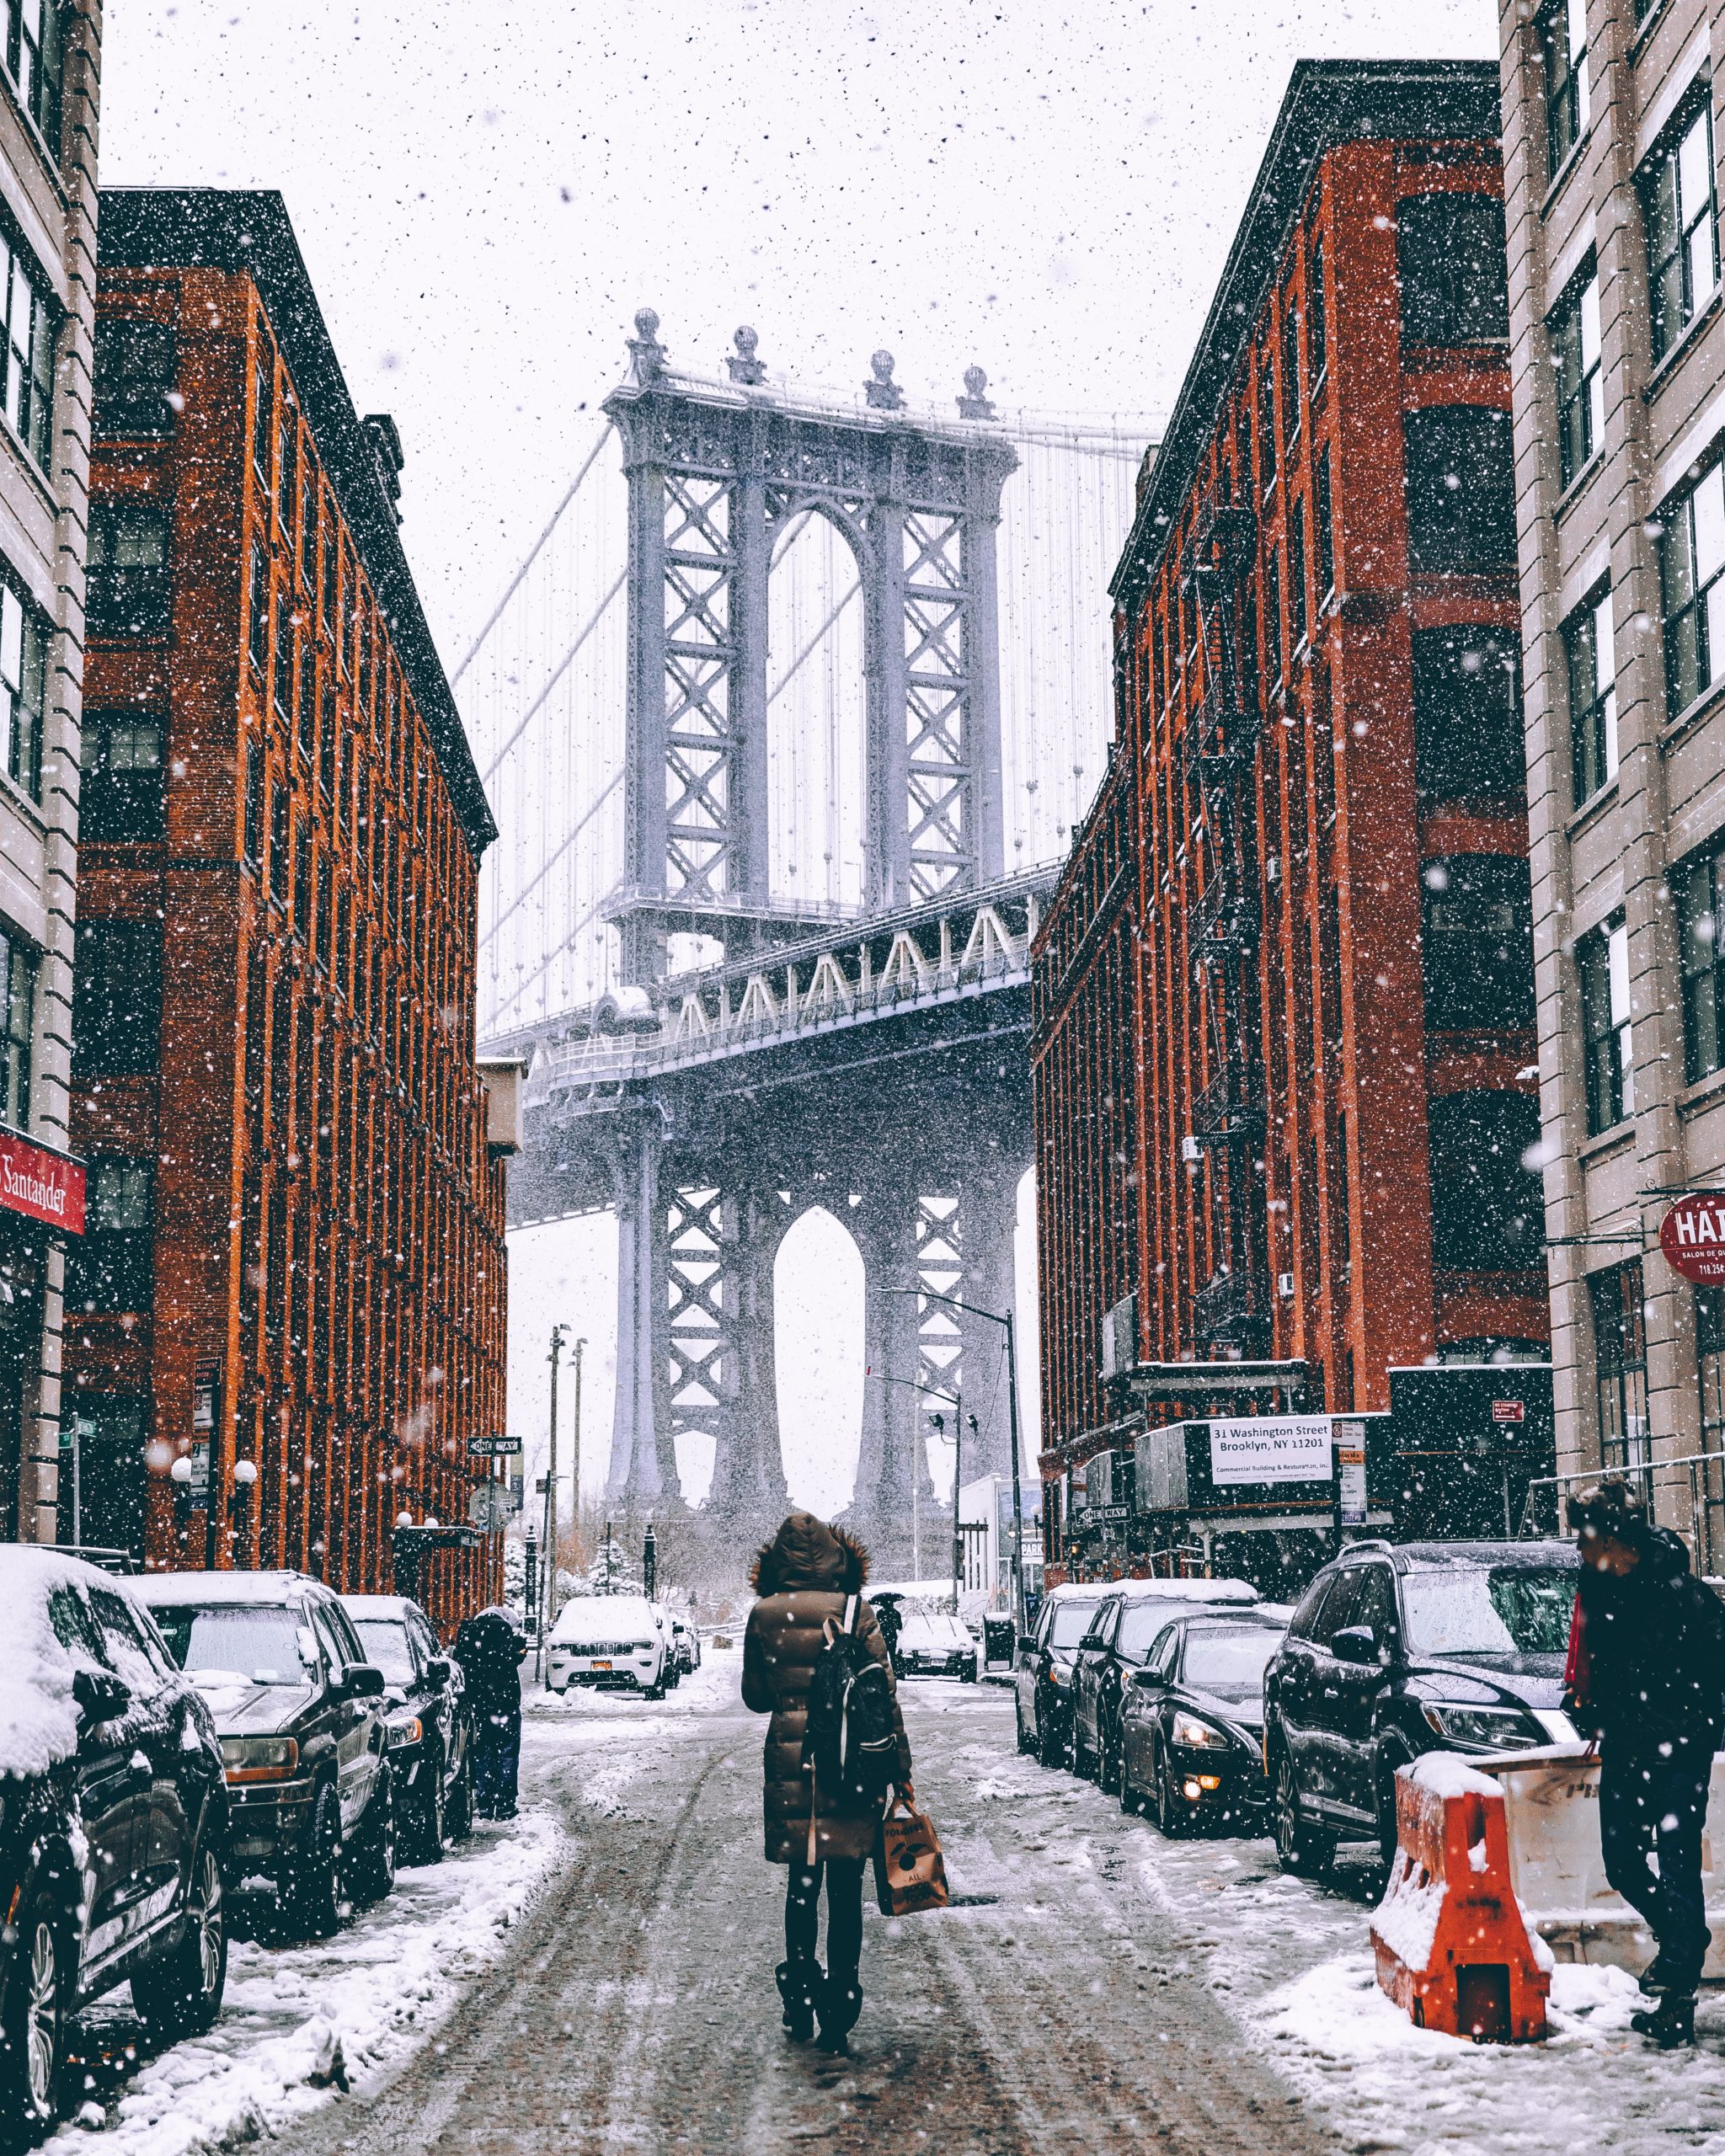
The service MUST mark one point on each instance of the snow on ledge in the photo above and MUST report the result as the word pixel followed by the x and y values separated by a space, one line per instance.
pixel 1447 1773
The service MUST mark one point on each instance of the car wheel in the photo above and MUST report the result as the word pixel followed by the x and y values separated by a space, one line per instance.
pixel 374 1855
pixel 1129 1799
pixel 1026 1743
pixel 430 1821
pixel 1301 1849
pixel 1111 1768
pixel 1173 1814
pixel 1387 1835
pixel 458 1815
pixel 310 1902
pixel 179 1994
pixel 967 1675
pixel 1050 1744
pixel 33 2039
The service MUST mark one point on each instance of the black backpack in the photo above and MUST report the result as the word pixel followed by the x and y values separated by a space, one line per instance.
pixel 851 1743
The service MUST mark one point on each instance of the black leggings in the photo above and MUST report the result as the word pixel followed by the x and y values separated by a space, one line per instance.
pixel 844 1913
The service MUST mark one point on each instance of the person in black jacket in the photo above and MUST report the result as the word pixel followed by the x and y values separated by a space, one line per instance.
pixel 491 1648
pixel 1648 1678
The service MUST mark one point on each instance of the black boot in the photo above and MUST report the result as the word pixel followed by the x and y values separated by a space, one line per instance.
pixel 799 1985
pixel 1669 2024
pixel 1655 1980
pixel 838 2001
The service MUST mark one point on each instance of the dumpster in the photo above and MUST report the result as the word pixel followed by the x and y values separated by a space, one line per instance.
pixel 1000 1642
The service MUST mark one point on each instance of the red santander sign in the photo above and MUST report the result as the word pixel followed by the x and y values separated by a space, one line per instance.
pixel 1692 1237
pixel 47 1186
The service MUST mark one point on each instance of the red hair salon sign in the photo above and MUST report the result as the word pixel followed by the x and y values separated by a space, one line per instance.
pixel 47 1186
pixel 1692 1236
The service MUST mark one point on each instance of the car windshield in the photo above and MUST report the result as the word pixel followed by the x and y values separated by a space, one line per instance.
pixel 1231 1659
pixel 1071 1621
pixel 1139 1628
pixel 270 1647
pixel 1496 1610
pixel 385 1639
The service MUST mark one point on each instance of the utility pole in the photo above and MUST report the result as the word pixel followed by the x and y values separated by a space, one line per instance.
pixel 1017 1496
pixel 575 1456
pixel 547 1611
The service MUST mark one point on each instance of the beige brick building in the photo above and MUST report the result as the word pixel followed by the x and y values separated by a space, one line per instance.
pixel 1618 352
pixel 50 70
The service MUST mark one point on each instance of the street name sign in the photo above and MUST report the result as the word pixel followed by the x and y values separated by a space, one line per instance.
pixel 494 1446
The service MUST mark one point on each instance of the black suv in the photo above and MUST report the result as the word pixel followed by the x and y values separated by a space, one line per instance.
pixel 425 1722
pixel 1455 1646
pixel 298 1708
pixel 113 1826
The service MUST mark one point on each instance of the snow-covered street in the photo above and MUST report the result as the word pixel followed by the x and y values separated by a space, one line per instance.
pixel 598 1976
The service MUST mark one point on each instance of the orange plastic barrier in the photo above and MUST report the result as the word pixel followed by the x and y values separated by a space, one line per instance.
pixel 1452 1948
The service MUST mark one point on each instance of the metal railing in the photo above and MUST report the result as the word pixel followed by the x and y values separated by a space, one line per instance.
pixel 1705 1529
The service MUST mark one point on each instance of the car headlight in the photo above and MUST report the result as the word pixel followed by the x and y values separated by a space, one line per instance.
pixel 1055 1675
pixel 408 1731
pixel 1487 1729
pixel 1190 1730
pixel 258 1759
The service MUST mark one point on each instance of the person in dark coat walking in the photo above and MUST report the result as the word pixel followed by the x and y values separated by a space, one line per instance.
pixel 1647 1675
pixel 805 1578
pixel 491 1648
pixel 891 1621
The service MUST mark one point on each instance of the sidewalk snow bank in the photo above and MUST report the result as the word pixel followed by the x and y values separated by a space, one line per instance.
pixel 299 2022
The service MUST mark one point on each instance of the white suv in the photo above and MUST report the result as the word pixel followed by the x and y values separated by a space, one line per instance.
pixel 614 1641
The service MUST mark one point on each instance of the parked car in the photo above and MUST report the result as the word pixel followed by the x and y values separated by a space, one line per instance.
pixel 673 1661
pixel 425 1720
pixel 1123 1625
pixel 299 1710
pixel 1042 1673
pixel 933 1642
pixel 1191 1724
pixel 1391 1652
pixel 616 1642
pixel 687 1642
pixel 114 1827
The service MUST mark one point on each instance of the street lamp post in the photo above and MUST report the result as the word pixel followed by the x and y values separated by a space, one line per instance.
pixel 547 1613
pixel 1004 1319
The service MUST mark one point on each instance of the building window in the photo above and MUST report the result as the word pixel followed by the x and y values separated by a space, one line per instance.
pixel 1450 265
pixel 129 591
pixel 1461 489
pixel 135 364
pixel 1477 930
pixel 1297 624
pixel 17 1002
pixel 120 798
pixel 326 741
pixel 308 529
pixel 282 691
pixel 1679 210
pixel 258 612
pixel 1562 31
pixel 1589 654
pixel 1324 526
pixel 262 415
pixel 1467 733
pixel 1710 1359
pixel 279 842
pixel 1699 885
pixel 1317 328
pixel 108 1267
pixel 1291 376
pixel 116 998
pixel 287 470
pixel 1620 1363
pixel 301 923
pixel 253 839
pixel 34 57
pixel 326 592
pixel 23 683
pixel 1487 1206
pixel 1602 956
pixel 1574 330
pixel 308 698
pixel 1266 433
pixel 1273 616
pixel 1691 561
pixel 29 350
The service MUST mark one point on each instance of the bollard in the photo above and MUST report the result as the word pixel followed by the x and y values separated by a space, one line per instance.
pixel 1452 1948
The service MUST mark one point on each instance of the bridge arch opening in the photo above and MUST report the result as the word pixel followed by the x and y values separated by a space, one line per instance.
pixel 816 713
pixel 817 1294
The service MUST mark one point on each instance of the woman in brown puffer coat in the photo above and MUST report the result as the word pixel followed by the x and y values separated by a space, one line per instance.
pixel 805 1577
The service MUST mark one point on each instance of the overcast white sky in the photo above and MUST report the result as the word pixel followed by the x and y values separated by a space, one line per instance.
pixel 485 194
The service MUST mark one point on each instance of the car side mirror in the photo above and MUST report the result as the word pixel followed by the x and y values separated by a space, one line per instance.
pixel 1356 1644
pixel 437 1670
pixel 97 1696
pixel 363 1681
pixel 1148 1680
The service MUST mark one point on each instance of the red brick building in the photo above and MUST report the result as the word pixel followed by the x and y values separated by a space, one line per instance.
pixel 287 1316
pixel 1283 1041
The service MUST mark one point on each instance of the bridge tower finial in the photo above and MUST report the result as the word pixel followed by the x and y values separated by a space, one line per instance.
pixel 973 404
pixel 885 394
pixel 743 366
pixel 646 353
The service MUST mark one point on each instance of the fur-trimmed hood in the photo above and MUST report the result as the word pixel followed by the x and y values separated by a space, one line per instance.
pixel 810 1554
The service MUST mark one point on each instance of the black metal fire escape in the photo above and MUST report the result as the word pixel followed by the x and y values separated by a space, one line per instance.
pixel 1232 1313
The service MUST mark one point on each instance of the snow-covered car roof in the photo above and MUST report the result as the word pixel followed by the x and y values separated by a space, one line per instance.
pixel 267 1590
pixel 1234 1591
pixel 378 1605
pixel 603 1616
pixel 38 1718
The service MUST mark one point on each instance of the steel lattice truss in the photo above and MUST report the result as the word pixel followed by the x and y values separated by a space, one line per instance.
pixel 698 1333
pixel 940 1271
pixel 698 659
pixel 937 704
